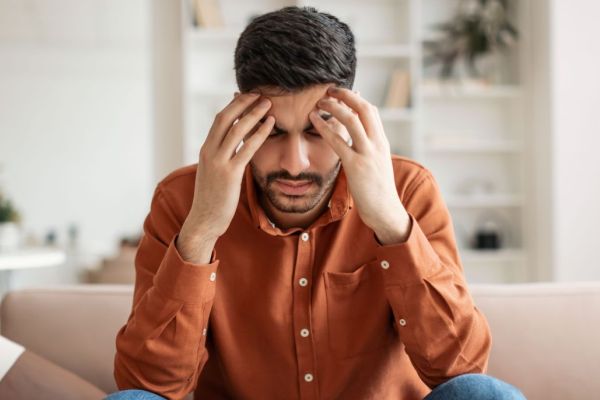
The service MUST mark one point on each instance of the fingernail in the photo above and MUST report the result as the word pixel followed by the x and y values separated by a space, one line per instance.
pixel 333 89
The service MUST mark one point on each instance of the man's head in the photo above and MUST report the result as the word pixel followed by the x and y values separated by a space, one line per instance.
pixel 292 56
pixel 293 48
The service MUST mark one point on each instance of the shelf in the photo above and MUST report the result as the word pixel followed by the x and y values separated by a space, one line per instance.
pixel 365 50
pixel 466 146
pixel 483 200
pixel 216 91
pixel 396 114
pixel 212 34
pixel 491 255
pixel 384 51
pixel 477 91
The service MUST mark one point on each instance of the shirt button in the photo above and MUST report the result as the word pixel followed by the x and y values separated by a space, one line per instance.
pixel 204 332
pixel 304 236
pixel 304 332
pixel 213 276
pixel 402 322
pixel 385 264
pixel 303 281
pixel 308 377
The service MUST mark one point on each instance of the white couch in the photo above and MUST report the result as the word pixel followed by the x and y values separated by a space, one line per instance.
pixel 545 335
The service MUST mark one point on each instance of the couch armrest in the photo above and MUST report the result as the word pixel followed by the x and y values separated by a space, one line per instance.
pixel 72 326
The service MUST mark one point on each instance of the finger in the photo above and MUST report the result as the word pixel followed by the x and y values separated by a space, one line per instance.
pixel 350 120
pixel 363 108
pixel 243 126
pixel 337 143
pixel 253 143
pixel 227 116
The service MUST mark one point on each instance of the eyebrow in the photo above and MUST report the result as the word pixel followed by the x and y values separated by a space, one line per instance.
pixel 308 127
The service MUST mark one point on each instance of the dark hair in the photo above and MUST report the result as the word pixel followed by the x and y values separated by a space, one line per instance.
pixel 294 48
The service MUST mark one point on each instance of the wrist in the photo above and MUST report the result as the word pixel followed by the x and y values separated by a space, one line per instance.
pixel 394 230
pixel 196 229
pixel 195 243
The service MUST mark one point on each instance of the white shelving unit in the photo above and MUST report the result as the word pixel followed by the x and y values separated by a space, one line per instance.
pixel 464 133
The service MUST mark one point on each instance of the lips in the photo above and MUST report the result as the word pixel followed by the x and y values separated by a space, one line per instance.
pixel 294 188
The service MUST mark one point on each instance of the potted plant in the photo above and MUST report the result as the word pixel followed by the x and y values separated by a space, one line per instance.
pixel 477 33
pixel 9 225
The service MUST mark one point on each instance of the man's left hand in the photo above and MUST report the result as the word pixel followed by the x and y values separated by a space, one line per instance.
pixel 367 162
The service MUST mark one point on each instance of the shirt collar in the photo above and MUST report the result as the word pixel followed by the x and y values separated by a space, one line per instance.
pixel 340 202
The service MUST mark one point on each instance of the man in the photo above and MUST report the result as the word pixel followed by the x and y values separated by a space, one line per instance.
pixel 299 259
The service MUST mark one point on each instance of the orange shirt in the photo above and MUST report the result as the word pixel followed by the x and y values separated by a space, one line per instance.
pixel 322 313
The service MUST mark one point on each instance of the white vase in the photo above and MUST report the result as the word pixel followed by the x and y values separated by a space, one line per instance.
pixel 10 236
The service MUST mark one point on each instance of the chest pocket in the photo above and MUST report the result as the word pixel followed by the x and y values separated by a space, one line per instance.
pixel 359 318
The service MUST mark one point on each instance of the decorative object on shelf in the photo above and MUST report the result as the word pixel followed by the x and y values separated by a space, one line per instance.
pixel 73 234
pixel 207 14
pixel 10 233
pixel 476 187
pixel 487 236
pixel 478 32
pixel 120 268
pixel 398 93
pixel 490 232
pixel 51 238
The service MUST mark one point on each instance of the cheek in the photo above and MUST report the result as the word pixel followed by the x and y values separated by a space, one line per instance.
pixel 322 155
pixel 264 155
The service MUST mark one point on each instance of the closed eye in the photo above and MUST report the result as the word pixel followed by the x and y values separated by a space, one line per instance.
pixel 276 133
pixel 309 129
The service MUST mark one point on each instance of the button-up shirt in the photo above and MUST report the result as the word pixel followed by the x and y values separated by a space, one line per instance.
pixel 325 312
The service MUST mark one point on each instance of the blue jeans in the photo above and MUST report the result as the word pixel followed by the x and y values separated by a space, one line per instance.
pixel 133 394
pixel 462 387
pixel 475 386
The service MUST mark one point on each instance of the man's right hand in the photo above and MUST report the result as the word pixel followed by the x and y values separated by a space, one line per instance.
pixel 220 173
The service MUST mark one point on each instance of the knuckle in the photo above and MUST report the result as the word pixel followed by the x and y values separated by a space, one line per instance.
pixel 364 105
pixel 219 117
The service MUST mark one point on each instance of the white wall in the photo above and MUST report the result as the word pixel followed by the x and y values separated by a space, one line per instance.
pixel 575 92
pixel 75 121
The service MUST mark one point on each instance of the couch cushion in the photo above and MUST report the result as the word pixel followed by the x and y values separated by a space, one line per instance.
pixel 545 337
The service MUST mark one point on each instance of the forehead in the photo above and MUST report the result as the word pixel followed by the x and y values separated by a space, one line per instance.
pixel 291 109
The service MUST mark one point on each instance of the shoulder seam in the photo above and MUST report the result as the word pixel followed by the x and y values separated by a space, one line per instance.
pixel 413 188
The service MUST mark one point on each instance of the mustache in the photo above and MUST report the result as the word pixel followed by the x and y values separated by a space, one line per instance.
pixel 304 176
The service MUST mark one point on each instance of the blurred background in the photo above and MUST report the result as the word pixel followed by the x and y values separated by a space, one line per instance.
pixel 100 99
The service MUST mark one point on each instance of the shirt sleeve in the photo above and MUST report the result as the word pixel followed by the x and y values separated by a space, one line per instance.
pixel 161 348
pixel 444 333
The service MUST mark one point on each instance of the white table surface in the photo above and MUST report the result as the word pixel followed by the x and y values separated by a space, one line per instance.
pixel 31 257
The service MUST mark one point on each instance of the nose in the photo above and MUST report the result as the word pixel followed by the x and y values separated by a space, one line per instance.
pixel 294 157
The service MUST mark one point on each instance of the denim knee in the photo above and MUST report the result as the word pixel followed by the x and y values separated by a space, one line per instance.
pixel 475 386
pixel 133 394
